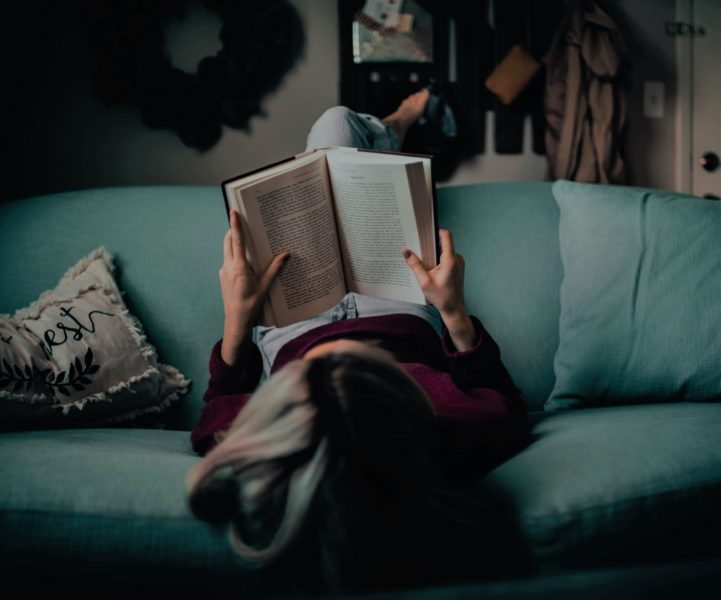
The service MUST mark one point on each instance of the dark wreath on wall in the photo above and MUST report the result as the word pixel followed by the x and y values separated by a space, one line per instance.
pixel 261 41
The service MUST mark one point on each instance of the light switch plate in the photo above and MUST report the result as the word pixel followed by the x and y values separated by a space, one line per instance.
pixel 654 98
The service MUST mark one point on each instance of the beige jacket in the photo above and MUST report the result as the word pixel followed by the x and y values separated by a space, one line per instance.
pixel 584 103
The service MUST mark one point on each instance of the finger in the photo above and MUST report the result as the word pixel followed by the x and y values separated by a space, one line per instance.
pixel 227 247
pixel 273 269
pixel 446 242
pixel 416 266
pixel 236 236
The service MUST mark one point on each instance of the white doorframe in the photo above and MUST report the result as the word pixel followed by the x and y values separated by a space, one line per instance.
pixel 698 106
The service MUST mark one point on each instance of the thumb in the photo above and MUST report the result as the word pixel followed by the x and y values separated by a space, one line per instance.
pixel 272 271
pixel 415 265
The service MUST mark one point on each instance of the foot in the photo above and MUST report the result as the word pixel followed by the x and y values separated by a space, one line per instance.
pixel 407 113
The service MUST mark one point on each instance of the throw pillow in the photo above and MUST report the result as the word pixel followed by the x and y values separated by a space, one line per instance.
pixel 76 355
pixel 640 297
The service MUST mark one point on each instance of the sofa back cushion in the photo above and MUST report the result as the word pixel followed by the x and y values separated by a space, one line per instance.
pixel 640 298
pixel 508 234
pixel 167 245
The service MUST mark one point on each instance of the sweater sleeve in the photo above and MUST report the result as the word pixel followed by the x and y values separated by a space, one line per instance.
pixel 482 418
pixel 229 389
pixel 479 366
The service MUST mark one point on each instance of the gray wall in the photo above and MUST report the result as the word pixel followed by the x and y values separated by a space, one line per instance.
pixel 56 136
pixel 651 143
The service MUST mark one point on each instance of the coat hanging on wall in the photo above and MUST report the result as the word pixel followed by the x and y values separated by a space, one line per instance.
pixel 261 41
pixel 584 100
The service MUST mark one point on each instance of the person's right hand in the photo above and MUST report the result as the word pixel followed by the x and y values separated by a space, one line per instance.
pixel 243 291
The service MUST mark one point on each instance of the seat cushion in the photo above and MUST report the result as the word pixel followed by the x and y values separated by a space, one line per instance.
pixel 611 485
pixel 110 503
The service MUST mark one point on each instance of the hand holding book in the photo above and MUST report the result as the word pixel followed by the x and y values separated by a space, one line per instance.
pixel 243 291
pixel 343 213
pixel 443 287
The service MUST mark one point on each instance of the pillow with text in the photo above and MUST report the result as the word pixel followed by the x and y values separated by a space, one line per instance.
pixel 76 356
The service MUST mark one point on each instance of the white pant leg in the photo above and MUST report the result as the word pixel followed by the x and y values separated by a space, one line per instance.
pixel 271 339
pixel 341 126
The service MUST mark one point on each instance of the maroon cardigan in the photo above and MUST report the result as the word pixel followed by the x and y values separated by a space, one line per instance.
pixel 481 417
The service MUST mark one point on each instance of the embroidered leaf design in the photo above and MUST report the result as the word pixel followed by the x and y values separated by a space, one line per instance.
pixel 76 377
pixel 18 372
pixel 7 366
pixel 18 385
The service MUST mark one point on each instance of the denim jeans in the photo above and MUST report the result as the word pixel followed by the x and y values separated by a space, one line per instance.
pixel 340 126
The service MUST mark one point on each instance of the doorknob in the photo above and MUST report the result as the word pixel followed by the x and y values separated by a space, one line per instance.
pixel 709 161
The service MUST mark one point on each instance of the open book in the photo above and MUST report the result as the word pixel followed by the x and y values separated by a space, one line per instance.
pixel 344 214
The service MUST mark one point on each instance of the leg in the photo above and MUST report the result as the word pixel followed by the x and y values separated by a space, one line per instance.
pixel 271 339
pixel 341 126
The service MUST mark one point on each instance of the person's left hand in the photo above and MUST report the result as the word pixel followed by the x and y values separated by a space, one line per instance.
pixel 243 291
pixel 443 287
pixel 443 284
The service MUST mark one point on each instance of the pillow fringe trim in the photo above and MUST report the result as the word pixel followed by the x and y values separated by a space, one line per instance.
pixel 33 310
pixel 182 383
pixel 131 322
pixel 170 376
pixel 177 379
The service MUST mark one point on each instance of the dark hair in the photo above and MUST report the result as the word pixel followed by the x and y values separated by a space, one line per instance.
pixel 381 431
pixel 378 513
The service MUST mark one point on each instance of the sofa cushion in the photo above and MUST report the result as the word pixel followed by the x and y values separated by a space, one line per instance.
pixel 167 245
pixel 640 312
pixel 508 234
pixel 612 485
pixel 77 355
pixel 110 503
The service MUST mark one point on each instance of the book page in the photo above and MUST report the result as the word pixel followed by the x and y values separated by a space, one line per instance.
pixel 293 211
pixel 422 193
pixel 375 215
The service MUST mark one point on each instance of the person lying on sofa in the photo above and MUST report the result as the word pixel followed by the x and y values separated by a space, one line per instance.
pixel 347 468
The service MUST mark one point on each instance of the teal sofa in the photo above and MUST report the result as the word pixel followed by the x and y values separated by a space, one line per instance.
pixel 622 501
